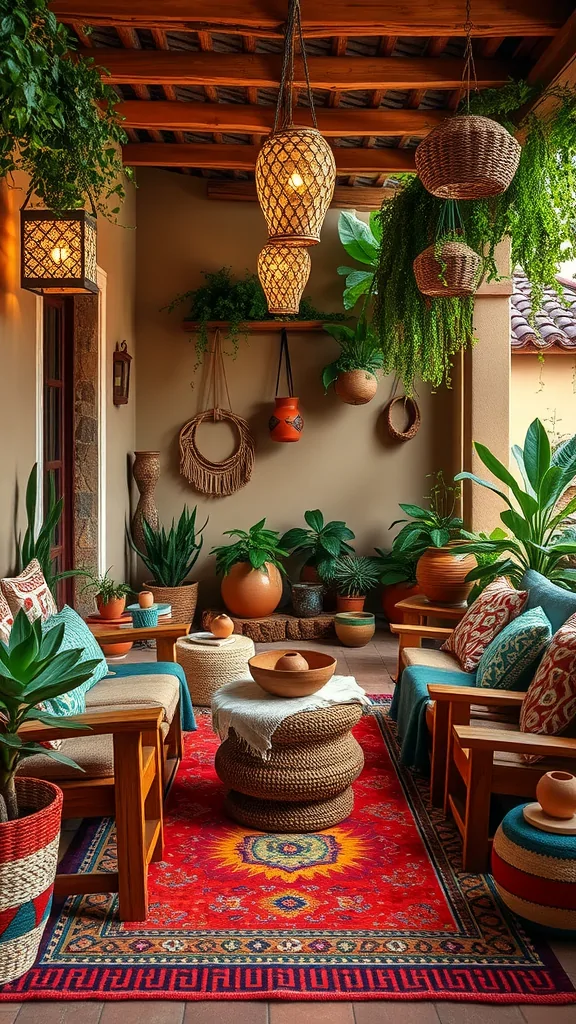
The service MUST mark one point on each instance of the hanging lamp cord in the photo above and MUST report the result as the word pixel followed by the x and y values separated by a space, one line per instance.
pixel 284 103
pixel 469 73
pixel 285 356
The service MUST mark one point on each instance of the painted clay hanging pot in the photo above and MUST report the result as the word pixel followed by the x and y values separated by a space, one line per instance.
pixel 286 423
pixel 356 387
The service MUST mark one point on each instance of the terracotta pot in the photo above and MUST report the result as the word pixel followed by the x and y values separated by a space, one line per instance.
pixel 183 599
pixel 221 626
pixel 441 574
pixel 394 592
pixel 309 574
pixel 119 650
pixel 350 604
pixel 292 661
pixel 556 794
pixel 250 593
pixel 145 598
pixel 112 609
pixel 356 387
pixel 354 629
pixel 286 423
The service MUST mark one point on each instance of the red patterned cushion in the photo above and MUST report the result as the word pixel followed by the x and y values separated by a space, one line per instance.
pixel 30 591
pixel 549 706
pixel 6 620
pixel 493 609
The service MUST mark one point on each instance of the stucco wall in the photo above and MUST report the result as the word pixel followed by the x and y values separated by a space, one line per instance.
pixel 342 464
pixel 545 389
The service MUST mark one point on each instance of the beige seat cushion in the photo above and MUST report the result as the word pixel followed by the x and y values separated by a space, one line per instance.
pixel 121 693
pixel 429 657
pixel 95 754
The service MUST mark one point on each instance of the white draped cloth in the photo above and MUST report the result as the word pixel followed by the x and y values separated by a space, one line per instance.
pixel 255 715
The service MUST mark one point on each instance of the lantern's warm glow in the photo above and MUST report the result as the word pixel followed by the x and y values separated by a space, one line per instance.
pixel 283 271
pixel 58 251
pixel 295 178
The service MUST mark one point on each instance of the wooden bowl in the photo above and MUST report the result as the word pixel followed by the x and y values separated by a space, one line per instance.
pixel 292 684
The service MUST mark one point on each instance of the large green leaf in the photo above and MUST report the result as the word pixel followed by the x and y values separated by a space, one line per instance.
pixel 329 374
pixel 357 238
pixel 375 225
pixel 565 456
pixel 357 288
pixel 315 519
pixel 536 453
pixel 520 528
pixel 330 543
pixel 551 487
pixel 340 332
pixel 484 483
pixel 519 456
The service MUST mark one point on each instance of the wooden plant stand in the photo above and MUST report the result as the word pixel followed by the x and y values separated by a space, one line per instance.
pixel 277 627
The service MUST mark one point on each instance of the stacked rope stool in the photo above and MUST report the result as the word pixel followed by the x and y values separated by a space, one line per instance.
pixel 305 784
pixel 207 668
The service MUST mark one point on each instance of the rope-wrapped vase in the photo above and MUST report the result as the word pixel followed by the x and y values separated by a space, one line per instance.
pixel 467 157
pixel 448 270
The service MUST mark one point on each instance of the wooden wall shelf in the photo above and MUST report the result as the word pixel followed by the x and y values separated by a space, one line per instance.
pixel 258 325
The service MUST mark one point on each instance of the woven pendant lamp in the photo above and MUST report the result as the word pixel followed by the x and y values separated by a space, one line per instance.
pixel 283 271
pixel 295 169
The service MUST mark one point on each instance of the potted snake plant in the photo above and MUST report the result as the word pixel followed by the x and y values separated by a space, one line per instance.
pixel 170 555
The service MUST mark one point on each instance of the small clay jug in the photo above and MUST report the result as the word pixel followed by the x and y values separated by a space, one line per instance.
pixel 286 421
pixel 221 626
pixel 556 794
pixel 145 598
pixel 292 662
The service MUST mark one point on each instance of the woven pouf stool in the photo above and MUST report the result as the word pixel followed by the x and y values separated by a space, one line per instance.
pixel 305 784
pixel 535 874
pixel 208 668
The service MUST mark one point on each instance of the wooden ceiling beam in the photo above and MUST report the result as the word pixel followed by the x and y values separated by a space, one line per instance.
pixel 359 198
pixel 243 158
pixel 556 67
pixel 158 67
pixel 258 120
pixel 319 19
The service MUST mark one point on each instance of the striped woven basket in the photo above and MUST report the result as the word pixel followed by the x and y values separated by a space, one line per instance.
pixel 28 860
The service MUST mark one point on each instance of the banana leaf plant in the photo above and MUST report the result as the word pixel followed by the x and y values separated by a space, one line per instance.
pixel 361 241
pixel 33 670
pixel 540 539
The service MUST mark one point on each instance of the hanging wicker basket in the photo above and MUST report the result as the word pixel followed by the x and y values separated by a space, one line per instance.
pixel 295 178
pixel 413 414
pixel 356 387
pixel 452 272
pixel 467 157
pixel 283 271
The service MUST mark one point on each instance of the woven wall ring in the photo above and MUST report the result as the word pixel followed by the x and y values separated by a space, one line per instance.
pixel 216 479
pixel 414 419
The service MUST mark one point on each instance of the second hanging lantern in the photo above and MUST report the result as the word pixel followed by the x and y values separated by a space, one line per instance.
pixel 295 169
pixel 283 272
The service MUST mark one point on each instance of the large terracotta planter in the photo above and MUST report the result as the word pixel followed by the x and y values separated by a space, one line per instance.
pixel 113 609
pixel 250 593
pixel 286 423
pixel 28 861
pixel 394 592
pixel 183 599
pixel 356 387
pixel 309 574
pixel 350 604
pixel 442 572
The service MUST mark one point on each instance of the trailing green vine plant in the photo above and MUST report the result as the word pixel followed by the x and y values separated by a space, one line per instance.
pixel 57 118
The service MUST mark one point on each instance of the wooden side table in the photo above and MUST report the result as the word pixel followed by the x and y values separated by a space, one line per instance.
pixel 416 611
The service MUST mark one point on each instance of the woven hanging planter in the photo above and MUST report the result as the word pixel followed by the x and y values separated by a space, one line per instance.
pixel 414 421
pixel 449 271
pixel 467 157
pixel 295 169
pixel 283 272
pixel 356 387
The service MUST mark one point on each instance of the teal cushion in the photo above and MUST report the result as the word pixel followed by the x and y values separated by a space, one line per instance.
pixel 76 634
pixel 556 603
pixel 509 662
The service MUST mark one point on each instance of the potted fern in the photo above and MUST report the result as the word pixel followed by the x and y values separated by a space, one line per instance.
pixel 170 555
pixel 110 596
pixel 33 670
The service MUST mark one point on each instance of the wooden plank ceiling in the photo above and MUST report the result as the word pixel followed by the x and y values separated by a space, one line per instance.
pixel 197 80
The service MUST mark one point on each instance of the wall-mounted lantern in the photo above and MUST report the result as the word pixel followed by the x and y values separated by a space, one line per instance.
pixel 121 374
pixel 58 251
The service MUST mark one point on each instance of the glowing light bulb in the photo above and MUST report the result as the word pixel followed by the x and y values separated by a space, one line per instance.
pixel 60 253
pixel 295 180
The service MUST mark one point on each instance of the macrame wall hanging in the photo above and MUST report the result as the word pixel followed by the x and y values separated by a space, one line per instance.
pixel 217 479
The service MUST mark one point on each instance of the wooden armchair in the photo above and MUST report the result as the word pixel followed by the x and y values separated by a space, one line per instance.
pixel 485 760
pixel 411 635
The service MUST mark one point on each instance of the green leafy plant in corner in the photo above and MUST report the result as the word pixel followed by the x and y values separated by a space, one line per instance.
pixel 359 350
pixel 540 539
pixel 434 526
pixel 257 546
pixel 32 670
pixel 485 559
pixel 361 242
pixel 39 543
pixel 57 117
pixel 171 554
pixel 321 543
pixel 351 575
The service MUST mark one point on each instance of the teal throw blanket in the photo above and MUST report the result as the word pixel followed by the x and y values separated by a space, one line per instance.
pixel 408 710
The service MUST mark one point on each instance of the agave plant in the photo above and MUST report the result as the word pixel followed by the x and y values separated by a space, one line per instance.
pixel 352 575
pixel 257 546
pixel 321 543
pixel 170 555
pixel 540 539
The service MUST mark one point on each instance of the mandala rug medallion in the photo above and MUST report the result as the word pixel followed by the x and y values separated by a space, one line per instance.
pixel 376 908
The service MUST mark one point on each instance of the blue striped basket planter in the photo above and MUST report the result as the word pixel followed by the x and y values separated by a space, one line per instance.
pixel 28 861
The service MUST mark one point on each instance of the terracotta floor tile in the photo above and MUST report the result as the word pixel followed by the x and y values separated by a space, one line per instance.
pixel 142 1011
pixel 61 1012
pixel 226 1011
pixel 549 1014
pixel 478 1013
pixel 9 1012
pixel 395 1012
pixel 292 1012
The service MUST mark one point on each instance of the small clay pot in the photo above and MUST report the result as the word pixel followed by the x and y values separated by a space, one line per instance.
pixel 111 609
pixel 221 626
pixel 350 604
pixel 307 599
pixel 286 423
pixel 145 598
pixel 354 629
pixel 556 794
pixel 292 661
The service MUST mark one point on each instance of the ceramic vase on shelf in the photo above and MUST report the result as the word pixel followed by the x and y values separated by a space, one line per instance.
pixel 145 470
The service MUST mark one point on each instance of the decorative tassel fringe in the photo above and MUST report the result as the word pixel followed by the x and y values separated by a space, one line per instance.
pixel 216 479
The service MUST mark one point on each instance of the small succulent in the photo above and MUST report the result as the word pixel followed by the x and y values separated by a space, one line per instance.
pixel 352 575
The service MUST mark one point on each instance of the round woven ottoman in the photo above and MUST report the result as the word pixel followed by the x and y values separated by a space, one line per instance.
pixel 208 668
pixel 535 874
pixel 305 784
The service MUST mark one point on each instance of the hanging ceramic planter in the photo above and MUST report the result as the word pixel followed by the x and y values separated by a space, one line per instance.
pixel 356 387
pixel 283 271
pixel 286 423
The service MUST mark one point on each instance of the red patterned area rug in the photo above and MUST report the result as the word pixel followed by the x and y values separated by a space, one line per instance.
pixel 373 909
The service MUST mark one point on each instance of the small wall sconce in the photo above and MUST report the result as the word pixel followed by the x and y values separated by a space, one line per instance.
pixel 58 251
pixel 121 374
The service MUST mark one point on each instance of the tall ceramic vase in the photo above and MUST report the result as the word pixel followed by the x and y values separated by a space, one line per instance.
pixel 145 470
